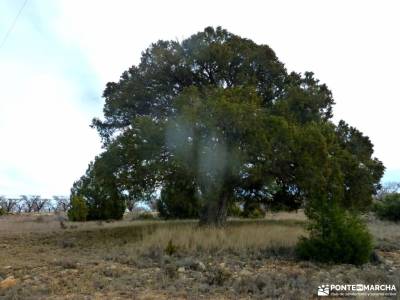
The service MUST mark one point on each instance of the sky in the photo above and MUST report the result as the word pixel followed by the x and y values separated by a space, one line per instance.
pixel 59 55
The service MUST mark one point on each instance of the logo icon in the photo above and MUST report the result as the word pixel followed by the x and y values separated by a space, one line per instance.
pixel 323 290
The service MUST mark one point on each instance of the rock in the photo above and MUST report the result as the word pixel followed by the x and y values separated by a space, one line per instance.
pixel 67 243
pixel 8 282
pixel 389 262
pixel 181 269
pixel 201 266
pixel 190 263
pixel 204 288
pixel 187 262
pixel 8 267
pixel 166 259
pixel 376 257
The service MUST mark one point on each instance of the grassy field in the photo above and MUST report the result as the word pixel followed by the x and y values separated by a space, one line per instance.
pixel 133 259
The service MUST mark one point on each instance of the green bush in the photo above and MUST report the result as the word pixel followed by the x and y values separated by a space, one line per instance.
pixel 79 210
pixel 234 210
pixel 336 236
pixel 2 211
pixel 171 248
pixel 178 201
pixel 389 207
pixel 253 210
pixel 99 189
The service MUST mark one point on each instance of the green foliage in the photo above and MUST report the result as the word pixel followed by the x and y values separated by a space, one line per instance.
pixel 2 211
pixel 223 113
pixel 178 199
pixel 336 236
pixel 100 190
pixel 252 210
pixel 234 210
pixel 257 213
pixel 78 211
pixel 389 207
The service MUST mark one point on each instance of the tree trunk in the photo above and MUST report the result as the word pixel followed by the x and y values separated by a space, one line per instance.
pixel 214 213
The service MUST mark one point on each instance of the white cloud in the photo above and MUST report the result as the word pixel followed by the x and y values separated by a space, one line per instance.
pixel 77 46
pixel 351 46
pixel 47 138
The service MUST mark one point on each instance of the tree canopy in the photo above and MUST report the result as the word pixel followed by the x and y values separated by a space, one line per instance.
pixel 217 118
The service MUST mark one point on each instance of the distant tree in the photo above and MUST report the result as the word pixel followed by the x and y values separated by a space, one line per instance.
pixel 388 188
pixel 39 203
pixel 33 203
pixel 28 203
pixel 388 208
pixel 61 203
pixel 20 205
pixel 8 204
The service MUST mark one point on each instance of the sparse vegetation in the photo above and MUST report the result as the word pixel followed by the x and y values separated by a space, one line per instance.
pixel 119 259
pixel 145 215
pixel 389 207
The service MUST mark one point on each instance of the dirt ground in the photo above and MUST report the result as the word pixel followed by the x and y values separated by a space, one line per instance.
pixel 175 260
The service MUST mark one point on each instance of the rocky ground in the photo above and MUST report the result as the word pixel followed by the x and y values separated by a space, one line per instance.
pixel 93 265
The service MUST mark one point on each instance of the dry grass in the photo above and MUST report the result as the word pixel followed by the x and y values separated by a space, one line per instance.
pixel 285 216
pixel 386 234
pixel 127 259
pixel 50 223
pixel 237 239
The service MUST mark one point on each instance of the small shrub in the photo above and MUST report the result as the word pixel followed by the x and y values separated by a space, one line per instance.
pixel 145 216
pixel 67 263
pixel 234 210
pixel 217 276
pixel 78 211
pixel 253 211
pixel 336 236
pixel 171 271
pixel 171 248
pixel 2 211
pixel 40 219
pixel 388 208
pixel 257 213
pixel 67 243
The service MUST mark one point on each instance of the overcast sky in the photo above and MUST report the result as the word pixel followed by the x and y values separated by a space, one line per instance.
pixel 60 54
